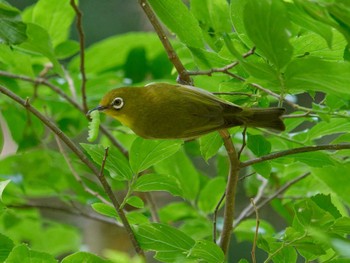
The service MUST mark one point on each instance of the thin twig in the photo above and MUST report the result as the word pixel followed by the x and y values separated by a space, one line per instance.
pixel 215 215
pixel 248 212
pixel 244 143
pixel 256 230
pixel 328 147
pixel 231 188
pixel 152 207
pixel 224 69
pixel 184 77
pixel 82 53
pixel 62 94
pixel 78 152
pixel 79 212
pixel 77 176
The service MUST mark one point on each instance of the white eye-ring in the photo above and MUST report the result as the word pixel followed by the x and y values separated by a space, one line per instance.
pixel 117 103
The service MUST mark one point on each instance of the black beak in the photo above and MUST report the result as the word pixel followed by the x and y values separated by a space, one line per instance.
pixel 99 108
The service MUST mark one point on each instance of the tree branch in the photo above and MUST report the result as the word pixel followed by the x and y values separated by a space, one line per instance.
pixel 256 230
pixel 76 105
pixel 276 155
pixel 184 77
pixel 78 152
pixel 79 212
pixel 77 176
pixel 82 53
pixel 231 187
pixel 248 212
pixel 223 69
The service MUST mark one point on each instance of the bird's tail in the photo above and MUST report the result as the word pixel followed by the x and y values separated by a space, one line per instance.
pixel 269 118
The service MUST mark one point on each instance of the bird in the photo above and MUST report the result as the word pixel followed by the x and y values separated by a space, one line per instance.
pixel 175 111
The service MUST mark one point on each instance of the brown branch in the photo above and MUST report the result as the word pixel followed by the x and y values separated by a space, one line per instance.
pixel 224 69
pixel 79 212
pixel 256 230
pixel 61 93
pixel 248 212
pixel 215 215
pixel 184 77
pixel 82 53
pixel 231 188
pixel 79 153
pixel 330 147
pixel 77 176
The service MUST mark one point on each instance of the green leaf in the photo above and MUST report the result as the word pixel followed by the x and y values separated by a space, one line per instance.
pixel 211 194
pixel 83 257
pixel 314 159
pixel 210 144
pixel 327 128
pixel 105 210
pixel 176 211
pixel 136 65
pixel 180 166
pixel 267 25
pixel 112 52
pixel 176 16
pixel 336 178
pixel 145 153
pixel 308 213
pixel 207 59
pixel 315 74
pixel 5 247
pixel 325 202
pixel 55 16
pixel 21 253
pixel 12 29
pixel 117 164
pixel 158 182
pixel 168 242
pixel 263 168
pixel 66 49
pixel 298 15
pixel 237 8
pixel 16 61
pixel 135 201
pixel 287 254
pixel 3 184
pixel 207 251
pixel 245 231
pixel 39 42
pixel 258 145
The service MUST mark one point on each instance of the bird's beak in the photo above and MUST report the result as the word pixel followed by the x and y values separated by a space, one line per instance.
pixel 99 108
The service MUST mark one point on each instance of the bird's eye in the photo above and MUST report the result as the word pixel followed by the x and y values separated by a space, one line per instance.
pixel 117 103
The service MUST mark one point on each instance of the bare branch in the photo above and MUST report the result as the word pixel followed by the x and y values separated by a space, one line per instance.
pixel 231 188
pixel 271 156
pixel 77 176
pixel 225 69
pixel 61 93
pixel 184 77
pixel 67 210
pixel 248 212
pixel 78 152
pixel 215 216
pixel 256 230
pixel 82 53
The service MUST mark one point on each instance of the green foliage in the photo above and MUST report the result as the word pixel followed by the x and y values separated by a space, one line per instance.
pixel 302 55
